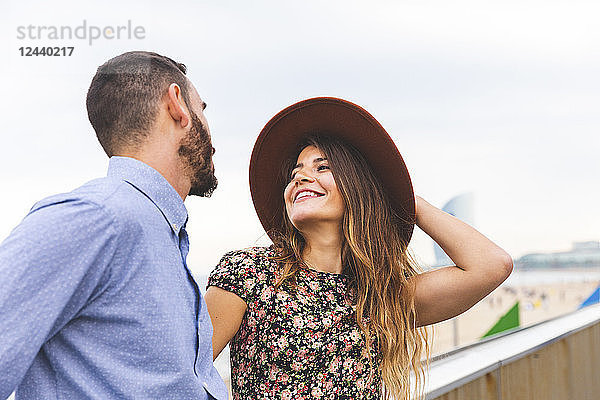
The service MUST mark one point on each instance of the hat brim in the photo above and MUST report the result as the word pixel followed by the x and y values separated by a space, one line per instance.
pixel 279 139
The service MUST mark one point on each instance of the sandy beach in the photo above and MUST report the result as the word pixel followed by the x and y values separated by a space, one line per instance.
pixel 538 302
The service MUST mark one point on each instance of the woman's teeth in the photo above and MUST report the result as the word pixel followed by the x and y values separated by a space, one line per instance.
pixel 306 194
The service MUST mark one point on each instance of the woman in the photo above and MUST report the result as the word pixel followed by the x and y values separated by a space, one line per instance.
pixel 333 308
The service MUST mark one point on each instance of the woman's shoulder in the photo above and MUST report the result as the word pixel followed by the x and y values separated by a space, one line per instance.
pixel 253 255
pixel 245 272
pixel 250 262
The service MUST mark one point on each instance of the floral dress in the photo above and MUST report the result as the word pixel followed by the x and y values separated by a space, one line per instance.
pixel 295 344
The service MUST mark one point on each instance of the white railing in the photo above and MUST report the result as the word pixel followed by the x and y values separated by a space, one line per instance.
pixel 460 367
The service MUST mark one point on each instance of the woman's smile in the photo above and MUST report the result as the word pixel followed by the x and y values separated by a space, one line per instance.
pixel 312 194
pixel 306 194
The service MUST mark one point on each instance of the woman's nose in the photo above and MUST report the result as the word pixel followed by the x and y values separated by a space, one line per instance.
pixel 302 177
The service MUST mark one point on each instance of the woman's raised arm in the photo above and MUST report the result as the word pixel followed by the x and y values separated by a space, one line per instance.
pixel 480 267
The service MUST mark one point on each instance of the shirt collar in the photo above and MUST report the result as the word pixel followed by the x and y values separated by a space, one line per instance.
pixel 150 182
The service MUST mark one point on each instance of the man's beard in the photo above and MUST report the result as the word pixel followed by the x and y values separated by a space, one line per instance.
pixel 196 153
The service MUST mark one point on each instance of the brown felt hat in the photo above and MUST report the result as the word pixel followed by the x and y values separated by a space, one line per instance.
pixel 278 142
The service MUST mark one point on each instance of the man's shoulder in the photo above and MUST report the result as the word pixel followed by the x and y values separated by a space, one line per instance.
pixel 115 198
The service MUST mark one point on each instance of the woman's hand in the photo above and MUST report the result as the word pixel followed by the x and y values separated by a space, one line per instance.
pixel 480 266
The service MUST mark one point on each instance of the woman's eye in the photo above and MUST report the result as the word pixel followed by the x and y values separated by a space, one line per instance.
pixel 322 167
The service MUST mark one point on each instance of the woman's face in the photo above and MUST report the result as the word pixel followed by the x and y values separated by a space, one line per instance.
pixel 312 195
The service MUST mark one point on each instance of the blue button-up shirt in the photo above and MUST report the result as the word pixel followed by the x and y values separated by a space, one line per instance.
pixel 96 299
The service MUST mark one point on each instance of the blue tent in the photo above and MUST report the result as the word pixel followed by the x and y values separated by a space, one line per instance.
pixel 593 299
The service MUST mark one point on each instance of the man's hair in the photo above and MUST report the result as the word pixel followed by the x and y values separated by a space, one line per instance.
pixel 125 94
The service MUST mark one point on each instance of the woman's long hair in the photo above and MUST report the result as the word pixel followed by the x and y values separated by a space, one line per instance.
pixel 376 259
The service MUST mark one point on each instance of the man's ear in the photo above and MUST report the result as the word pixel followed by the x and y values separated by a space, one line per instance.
pixel 176 105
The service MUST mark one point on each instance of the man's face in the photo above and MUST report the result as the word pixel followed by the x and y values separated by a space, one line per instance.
pixel 196 151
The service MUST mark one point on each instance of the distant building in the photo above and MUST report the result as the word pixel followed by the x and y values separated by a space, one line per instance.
pixel 582 255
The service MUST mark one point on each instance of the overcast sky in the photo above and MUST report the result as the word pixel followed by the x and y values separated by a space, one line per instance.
pixel 496 98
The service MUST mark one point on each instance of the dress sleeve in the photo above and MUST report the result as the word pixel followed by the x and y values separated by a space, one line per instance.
pixel 243 273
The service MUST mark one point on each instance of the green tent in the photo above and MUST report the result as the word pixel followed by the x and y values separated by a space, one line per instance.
pixel 508 321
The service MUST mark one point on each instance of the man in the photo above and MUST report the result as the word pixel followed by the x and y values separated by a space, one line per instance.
pixel 96 299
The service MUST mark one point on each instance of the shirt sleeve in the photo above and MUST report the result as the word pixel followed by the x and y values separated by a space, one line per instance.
pixel 242 273
pixel 50 266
